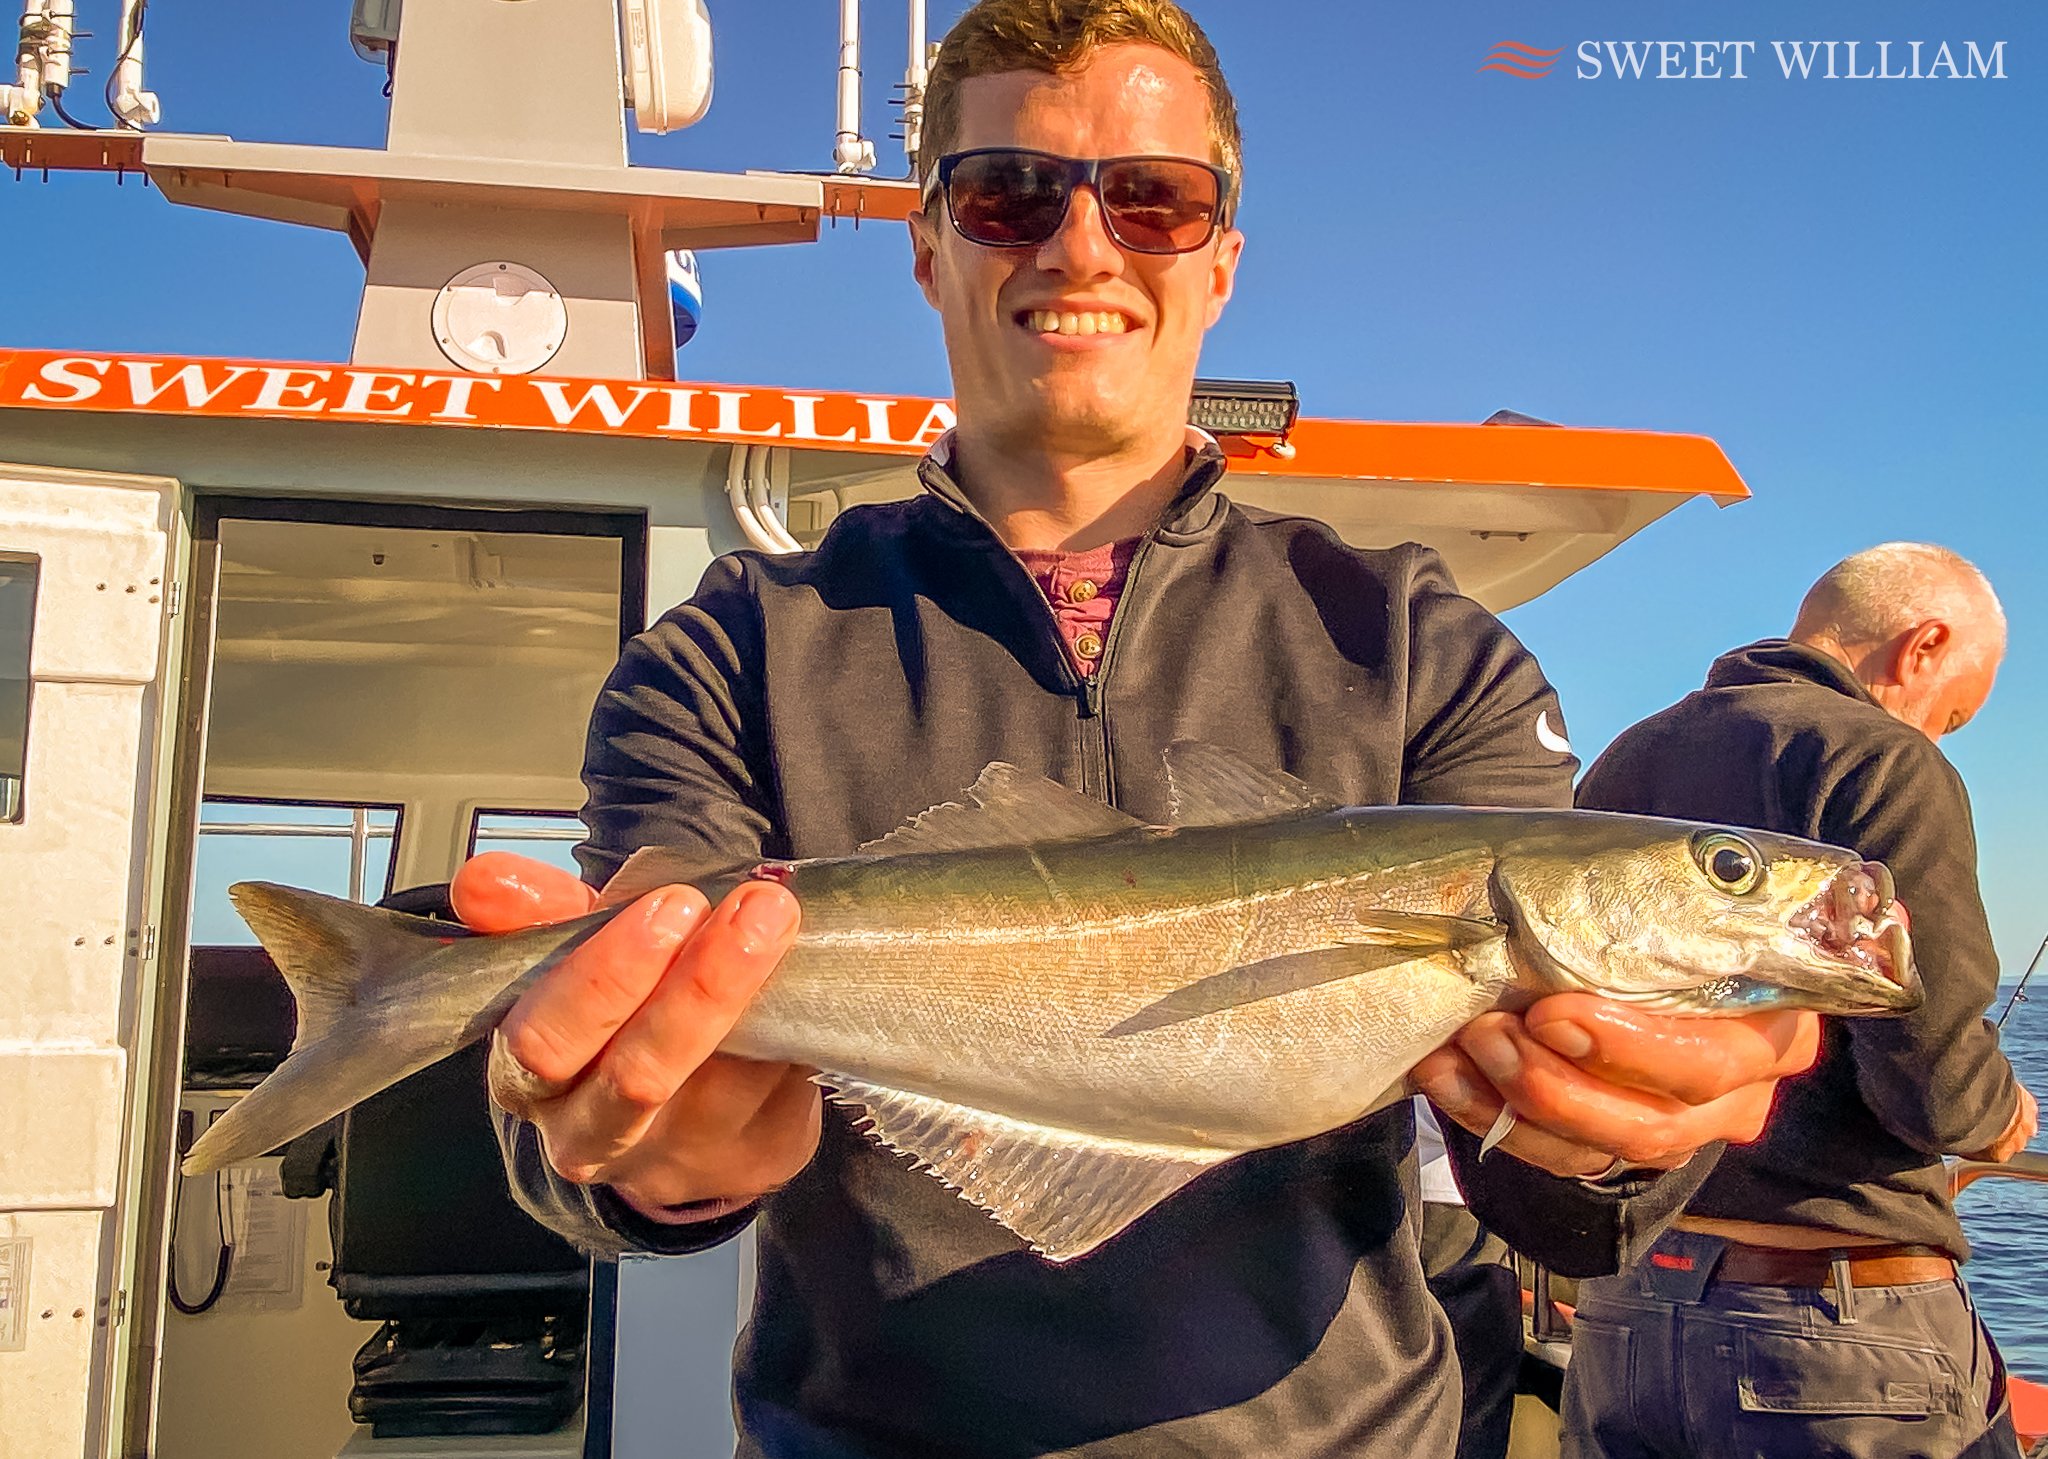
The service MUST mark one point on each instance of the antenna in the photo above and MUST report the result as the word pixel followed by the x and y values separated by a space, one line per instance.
pixel 851 151
pixel 913 86
pixel 131 105
pixel 914 76
pixel 43 62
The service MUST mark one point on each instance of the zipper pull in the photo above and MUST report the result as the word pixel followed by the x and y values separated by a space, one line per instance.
pixel 1091 696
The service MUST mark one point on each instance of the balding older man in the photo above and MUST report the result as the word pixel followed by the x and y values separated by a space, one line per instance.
pixel 1809 1302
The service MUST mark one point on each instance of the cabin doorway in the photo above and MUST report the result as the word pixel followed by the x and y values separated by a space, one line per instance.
pixel 373 693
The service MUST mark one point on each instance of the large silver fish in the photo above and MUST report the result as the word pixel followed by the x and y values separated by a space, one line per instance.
pixel 1067 1015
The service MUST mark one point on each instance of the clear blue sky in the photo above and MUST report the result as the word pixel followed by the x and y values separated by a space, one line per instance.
pixel 1842 282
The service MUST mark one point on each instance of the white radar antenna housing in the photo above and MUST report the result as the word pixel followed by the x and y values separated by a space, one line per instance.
pixel 668 62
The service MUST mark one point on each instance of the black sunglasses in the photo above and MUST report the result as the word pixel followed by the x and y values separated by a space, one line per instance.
pixel 1009 197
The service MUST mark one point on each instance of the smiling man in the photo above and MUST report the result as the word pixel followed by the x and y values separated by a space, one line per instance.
pixel 1072 593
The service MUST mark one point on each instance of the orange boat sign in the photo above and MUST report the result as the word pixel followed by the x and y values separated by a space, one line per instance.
pixel 896 425
pixel 649 408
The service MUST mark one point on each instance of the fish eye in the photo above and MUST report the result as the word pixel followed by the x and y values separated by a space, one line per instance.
pixel 1731 863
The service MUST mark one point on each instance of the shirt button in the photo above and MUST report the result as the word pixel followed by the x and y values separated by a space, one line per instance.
pixel 1081 591
pixel 1088 646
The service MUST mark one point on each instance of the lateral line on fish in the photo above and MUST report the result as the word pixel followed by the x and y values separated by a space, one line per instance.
pixel 1011 931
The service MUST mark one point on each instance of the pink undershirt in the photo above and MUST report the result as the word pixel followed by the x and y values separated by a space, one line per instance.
pixel 1082 589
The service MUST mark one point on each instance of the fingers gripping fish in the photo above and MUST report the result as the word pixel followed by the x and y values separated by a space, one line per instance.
pixel 1067 1015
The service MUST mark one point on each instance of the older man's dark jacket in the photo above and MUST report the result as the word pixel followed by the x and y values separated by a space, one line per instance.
pixel 1783 738
pixel 803 705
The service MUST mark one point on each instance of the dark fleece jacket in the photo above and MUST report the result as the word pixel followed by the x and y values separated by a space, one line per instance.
pixel 1783 738
pixel 803 705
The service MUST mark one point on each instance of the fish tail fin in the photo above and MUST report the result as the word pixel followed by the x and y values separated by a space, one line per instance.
pixel 331 952
pixel 329 949
pixel 315 1084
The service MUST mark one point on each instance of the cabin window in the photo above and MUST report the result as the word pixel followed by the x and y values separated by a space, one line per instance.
pixel 343 850
pixel 17 624
pixel 548 836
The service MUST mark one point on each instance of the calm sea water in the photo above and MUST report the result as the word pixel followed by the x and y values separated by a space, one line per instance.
pixel 2008 1221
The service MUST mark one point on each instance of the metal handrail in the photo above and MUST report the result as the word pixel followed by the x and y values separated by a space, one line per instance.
pixel 280 828
pixel 358 832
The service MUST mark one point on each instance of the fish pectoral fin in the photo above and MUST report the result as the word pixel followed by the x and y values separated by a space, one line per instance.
pixel 1061 1191
pixel 1207 785
pixel 1423 931
pixel 1267 978
pixel 1005 807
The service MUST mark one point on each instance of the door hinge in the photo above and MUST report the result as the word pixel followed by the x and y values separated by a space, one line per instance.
pixel 174 600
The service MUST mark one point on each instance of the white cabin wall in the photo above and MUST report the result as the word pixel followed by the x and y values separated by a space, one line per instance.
pixel 71 899
pixel 676 560
pixel 262 1376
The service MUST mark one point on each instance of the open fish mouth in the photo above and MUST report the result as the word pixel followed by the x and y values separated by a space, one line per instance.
pixel 1857 921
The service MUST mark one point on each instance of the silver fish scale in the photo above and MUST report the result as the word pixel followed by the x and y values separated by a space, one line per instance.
pixel 996 978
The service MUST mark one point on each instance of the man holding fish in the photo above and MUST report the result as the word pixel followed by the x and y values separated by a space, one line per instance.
pixel 1082 164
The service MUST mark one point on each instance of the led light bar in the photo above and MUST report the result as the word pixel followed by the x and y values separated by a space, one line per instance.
pixel 1244 407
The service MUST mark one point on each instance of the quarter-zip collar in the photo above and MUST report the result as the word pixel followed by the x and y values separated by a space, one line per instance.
pixel 1204 468
pixel 1781 661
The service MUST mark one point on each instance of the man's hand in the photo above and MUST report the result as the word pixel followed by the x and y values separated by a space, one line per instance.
pixel 611 1054
pixel 2026 1123
pixel 1592 1081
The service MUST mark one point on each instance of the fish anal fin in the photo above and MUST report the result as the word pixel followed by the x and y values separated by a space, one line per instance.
pixel 1210 786
pixel 330 950
pixel 1004 807
pixel 1062 1192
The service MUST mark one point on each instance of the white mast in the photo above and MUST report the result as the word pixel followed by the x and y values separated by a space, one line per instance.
pixel 851 152
pixel 914 75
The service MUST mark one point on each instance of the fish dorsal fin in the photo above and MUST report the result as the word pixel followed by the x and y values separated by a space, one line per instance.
pixel 653 867
pixel 1064 1193
pixel 1386 940
pixel 1209 786
pixel 1004 807
pixel 331 951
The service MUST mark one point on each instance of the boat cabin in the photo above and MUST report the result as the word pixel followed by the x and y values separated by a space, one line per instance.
pixel 340 624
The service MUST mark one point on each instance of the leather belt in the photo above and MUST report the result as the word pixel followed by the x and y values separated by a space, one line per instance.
pixel 1869 1266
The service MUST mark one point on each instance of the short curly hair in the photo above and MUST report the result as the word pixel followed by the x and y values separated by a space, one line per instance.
pixel 1056 36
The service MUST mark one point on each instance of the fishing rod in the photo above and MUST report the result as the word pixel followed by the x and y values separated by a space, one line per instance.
pixel 2019 994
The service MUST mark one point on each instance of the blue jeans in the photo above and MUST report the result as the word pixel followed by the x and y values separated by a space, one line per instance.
pixel 1750 1372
